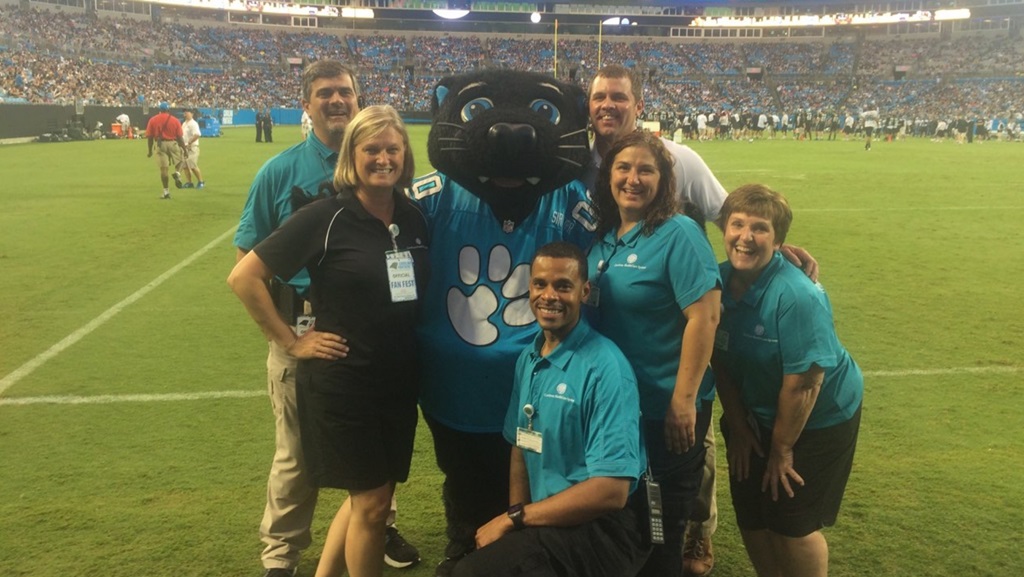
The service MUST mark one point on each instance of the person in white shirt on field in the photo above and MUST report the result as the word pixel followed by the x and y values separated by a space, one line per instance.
pixel 702 126
pixel 870 117
pixel 126 125
pixel 306 124
pixel 190 162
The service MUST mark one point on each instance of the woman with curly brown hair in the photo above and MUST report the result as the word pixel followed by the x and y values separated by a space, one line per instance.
pixel 656 293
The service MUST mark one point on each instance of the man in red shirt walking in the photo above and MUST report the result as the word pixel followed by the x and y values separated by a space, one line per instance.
pixel 165 130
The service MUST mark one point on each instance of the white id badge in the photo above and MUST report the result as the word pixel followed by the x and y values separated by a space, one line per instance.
pixel 401 276
pixel 528 440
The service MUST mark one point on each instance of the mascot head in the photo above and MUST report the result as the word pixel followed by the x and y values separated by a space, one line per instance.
pixel 509 136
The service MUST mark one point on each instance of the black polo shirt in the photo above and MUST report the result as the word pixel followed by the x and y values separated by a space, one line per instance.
pixel 343 247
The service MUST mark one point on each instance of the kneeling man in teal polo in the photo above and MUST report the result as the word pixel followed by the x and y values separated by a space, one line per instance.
pixel 574 422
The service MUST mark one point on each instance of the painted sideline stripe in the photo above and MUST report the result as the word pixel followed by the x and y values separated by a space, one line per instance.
pixel 107 399
pixel 908 208
pixel 246 394
pixel 26 369
pixel 950 371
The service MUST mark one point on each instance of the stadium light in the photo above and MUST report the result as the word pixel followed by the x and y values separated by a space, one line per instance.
pixel 451 14
pixel 535 17
pixel 839 19
pixel 357 13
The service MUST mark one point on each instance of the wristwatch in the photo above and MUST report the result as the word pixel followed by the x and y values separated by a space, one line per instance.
pixel 515 512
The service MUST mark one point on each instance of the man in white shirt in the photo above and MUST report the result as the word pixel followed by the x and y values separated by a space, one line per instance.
pixel 724 126
pixel 190 162
pixel 306 124
pixel 702 126
pixel 126 125
pixel 870 116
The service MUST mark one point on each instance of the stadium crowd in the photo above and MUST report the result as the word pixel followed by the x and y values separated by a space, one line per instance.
pixel 63 57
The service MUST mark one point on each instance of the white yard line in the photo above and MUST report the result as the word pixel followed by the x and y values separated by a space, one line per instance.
pixel 27 368
pixel 908 208
pixel 997 369
pixel 108 399
pixel 40 359
pixel 246 394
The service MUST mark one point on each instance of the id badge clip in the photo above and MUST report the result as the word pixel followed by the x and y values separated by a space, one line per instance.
pixel 401 270
pixel 527 439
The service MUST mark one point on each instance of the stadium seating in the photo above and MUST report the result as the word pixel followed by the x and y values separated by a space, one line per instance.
pixel 67 56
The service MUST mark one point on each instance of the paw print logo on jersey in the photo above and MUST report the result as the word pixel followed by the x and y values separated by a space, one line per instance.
pixel 471 308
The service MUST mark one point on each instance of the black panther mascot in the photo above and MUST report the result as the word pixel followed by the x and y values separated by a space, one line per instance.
pixel 508 147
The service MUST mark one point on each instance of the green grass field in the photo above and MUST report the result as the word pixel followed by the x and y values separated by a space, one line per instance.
pixel 135 434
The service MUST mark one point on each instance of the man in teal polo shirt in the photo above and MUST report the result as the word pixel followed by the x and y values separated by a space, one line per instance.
pixel 574 422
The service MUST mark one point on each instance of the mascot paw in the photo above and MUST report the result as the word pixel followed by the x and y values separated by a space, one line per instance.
pixel 470 314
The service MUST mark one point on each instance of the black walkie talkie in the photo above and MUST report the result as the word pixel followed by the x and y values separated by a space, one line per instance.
pixel 654 511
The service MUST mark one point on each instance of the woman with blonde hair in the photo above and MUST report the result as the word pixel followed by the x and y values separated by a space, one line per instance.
pixel 365 250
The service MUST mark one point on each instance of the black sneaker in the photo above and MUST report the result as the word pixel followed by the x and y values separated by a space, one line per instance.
pixel 177 179
pixel 445 568
pixel 398 552
pixel 279 572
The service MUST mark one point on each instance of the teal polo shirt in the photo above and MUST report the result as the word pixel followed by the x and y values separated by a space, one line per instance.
pixel 781 326
pixel 269 204
pixel 644 283
pixel 586 408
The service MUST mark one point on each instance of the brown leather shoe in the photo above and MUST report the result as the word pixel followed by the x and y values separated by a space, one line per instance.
pixel 698 557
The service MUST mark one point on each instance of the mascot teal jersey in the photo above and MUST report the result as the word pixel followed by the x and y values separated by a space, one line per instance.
pixel 509 149
pixel 476 312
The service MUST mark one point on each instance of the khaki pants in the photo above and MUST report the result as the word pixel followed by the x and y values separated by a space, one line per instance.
pixel 704 521
pixel 291 495
pixel 168 153
pixel 192 160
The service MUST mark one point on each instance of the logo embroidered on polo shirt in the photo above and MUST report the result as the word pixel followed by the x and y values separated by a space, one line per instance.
pixel 758 334
pixel 560 390
pixel 631 263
